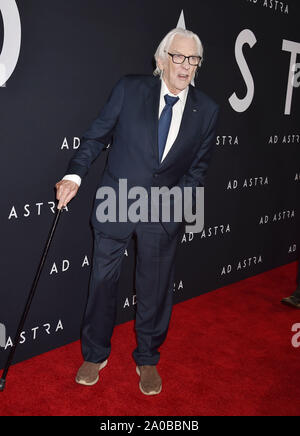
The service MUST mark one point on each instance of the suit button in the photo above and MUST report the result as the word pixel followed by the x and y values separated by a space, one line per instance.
pixel 155 176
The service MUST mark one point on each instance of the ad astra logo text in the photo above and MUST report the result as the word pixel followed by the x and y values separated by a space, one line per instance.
pixel 248 183
pixel 248 38
pixel 248 263
pixel 75 144
pixel 286 139
pixel 208 232
pixel 163 201
pixel 11 43
pixel 279 216
pixel 32 209
pixel 64 265
pixel 274 5
pixel 221 229
pixel 35 332
pixel 227 140
pixel 292 248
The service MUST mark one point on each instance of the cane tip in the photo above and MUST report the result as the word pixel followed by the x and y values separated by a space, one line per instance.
pixel 2 384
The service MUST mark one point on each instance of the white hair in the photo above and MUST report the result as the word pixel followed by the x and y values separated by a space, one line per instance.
pixel 163 48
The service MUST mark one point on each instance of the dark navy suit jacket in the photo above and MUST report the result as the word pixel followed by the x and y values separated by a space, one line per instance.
pixel 130 120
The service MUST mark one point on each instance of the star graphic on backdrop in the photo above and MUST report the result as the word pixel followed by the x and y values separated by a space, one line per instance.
pixel 181 23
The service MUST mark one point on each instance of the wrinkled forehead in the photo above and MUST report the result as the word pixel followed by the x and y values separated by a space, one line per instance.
pixel 184 45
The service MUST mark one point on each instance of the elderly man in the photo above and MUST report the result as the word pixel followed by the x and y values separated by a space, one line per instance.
pixel 294 299
pixel 162 131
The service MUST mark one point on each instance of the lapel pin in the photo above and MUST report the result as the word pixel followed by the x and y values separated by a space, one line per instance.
pixel 194 110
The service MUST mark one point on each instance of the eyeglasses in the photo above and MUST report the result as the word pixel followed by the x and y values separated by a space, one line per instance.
pixel 180 59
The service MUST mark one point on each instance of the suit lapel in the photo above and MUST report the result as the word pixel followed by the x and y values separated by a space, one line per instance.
pixel 152 97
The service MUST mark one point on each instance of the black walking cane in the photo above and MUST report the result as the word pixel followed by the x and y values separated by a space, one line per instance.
pixel 28 303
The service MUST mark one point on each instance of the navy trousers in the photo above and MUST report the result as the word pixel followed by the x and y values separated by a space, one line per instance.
pixel 154 293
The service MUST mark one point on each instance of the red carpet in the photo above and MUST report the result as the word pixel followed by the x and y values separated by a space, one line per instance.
pixel 228 352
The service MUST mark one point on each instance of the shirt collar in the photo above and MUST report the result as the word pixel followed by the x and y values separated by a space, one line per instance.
pixel 182 95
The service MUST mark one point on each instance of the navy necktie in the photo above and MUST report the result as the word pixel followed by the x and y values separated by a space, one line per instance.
pixel 164 123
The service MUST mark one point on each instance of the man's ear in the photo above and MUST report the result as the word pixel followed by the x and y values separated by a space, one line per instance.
pixel 160 64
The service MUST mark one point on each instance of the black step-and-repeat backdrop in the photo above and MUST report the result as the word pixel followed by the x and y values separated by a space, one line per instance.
pixel 58 64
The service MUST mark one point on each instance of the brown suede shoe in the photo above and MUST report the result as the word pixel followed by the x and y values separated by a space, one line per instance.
pixel 150 380
pixel 88 373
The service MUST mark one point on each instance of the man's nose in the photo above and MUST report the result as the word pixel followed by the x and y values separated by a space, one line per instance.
pixel 186 64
